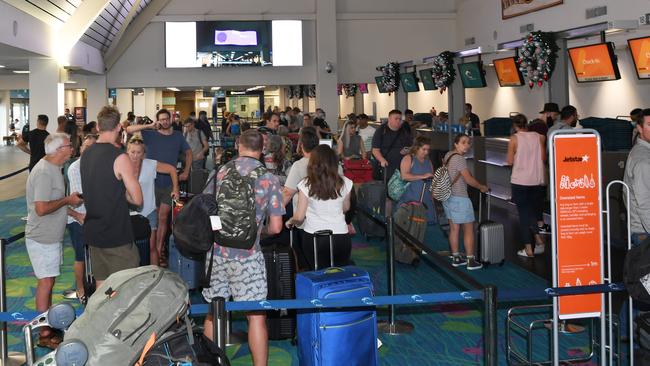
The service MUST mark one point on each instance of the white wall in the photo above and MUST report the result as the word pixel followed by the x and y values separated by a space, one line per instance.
pixel 12 82
pixel 143 65
pixel 383 102
pixel 422 101
pixel 364 44
pixel 240 7
pixel 346 105
pixel 74 98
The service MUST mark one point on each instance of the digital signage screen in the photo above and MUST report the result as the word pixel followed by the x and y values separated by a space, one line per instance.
pixel 426 76
pixel 594 63
pixel 380 84
pixel 508 72
pixel 409 82
pixel 640 50
pixel 472 75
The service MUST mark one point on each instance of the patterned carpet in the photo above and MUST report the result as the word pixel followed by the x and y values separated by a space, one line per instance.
pixel 443 335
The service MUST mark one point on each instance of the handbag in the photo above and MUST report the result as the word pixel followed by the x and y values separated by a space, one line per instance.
pixel 396 185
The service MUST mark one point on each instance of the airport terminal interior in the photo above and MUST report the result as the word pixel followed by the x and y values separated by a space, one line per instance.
pixel 525 124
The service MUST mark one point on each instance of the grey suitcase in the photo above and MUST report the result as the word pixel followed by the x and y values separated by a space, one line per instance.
pixel 490 236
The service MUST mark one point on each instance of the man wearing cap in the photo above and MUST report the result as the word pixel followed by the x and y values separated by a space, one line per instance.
pixel 550 114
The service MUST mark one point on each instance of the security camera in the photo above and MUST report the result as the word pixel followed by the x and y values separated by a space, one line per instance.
pixel 329 67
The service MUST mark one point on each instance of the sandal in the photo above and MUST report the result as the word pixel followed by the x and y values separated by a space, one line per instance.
pixel 522 253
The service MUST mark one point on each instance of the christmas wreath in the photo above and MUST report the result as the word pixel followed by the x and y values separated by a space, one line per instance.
pixel 443 70
pixel 391 76
pixel 350 90
pixel 537 58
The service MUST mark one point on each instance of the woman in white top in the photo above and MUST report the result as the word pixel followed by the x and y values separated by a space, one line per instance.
pixel 323 199
pixel 146 169
pixel 527 154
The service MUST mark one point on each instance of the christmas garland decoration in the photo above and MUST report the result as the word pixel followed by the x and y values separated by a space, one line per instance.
pixel 311 91
pixel 537 58
pixel 443 70
pixel 350 90
pixel 391 76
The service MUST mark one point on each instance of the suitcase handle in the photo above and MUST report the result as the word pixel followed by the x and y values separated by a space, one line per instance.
pixel 488 204
pixel 318 234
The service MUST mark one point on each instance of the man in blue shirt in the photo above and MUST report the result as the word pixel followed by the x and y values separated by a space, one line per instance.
pixel 165 145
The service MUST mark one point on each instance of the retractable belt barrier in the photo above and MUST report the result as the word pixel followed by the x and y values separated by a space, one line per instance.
pixel 14 173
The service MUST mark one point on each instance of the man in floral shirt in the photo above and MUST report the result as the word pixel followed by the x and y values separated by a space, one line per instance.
pixel 241 273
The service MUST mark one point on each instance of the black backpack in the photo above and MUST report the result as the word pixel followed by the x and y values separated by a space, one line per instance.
pixel 192 228
pixel 236 207
pixel 637 266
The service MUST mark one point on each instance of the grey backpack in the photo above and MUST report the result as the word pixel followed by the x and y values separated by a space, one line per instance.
pixel 127 314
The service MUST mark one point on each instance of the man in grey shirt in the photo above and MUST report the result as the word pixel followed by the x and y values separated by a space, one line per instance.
pixel 197 141
pixel 568 119
pixel 637 177
pixel 47 212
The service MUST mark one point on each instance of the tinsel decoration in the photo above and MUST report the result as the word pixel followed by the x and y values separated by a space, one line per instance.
pixel 311 91
pixel 292 92
pixel 443 70
pixel 537 58
pixel 391 76
pixel 301 91
pixel 350 90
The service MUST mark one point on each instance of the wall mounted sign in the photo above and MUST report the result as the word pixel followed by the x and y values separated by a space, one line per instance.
pixel 513 8
pixel 577 222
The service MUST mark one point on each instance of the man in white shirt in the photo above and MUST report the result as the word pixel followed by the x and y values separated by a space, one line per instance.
pixel 365 131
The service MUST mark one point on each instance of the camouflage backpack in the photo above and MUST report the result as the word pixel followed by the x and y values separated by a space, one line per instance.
pixel 236 207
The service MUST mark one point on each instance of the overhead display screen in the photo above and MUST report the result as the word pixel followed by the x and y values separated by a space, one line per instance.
pixel 640 50
pixel 409 82
pixel 471 74
pixel 426 76
pixel 233 43
pixel 508 72
pixel 594 63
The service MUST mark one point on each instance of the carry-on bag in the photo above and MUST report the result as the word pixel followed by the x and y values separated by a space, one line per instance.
pixel 197 181
pixel 334 338
pixel 412 217
pixel 142 234
pixel 190 268
pixel 280 275
pixel 358 170
pixel 127 314
pixel 372 197
pixel 490 236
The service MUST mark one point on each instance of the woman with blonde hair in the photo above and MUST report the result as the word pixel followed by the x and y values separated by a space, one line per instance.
pixel 350 145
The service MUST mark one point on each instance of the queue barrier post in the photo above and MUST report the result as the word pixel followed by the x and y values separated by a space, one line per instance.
pixel 218 309
pixel 490 334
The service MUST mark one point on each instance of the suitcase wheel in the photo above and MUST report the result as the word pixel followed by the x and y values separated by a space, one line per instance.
pixel 71 352
pixel 61 316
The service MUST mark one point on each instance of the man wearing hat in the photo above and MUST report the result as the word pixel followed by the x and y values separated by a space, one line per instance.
pixel 550 113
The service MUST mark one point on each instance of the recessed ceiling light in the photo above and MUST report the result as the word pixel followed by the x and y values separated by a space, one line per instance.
pixel 215 88
pixel 174 89
pixel 2 66
pixel 21 71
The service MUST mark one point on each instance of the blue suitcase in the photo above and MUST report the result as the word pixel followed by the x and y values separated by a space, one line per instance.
pixel 191 271
pixel 334 338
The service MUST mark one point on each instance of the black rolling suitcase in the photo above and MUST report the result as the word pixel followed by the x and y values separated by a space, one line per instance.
pixel 280 276
pixel 372 197
pixel 198 180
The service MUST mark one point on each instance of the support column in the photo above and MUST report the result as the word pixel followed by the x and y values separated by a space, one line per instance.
pixel 358 103
pixel 152 99
pixel 5 112
pixel 46 94
pixel 557 88
pixel 97 96
pixel 124 101
pixel 326 95
pixel 455 102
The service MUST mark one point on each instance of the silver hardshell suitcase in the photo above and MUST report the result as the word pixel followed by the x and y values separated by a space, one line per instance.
pixel 490 236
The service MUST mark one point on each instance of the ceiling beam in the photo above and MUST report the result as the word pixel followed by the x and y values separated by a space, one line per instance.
pixel 130 33
pixel 70 33
pixel 125 24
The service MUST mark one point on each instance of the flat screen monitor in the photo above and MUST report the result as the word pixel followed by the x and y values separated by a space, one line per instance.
pixel 508 72
pixel 409 82
pixel 640 50
pixel 380 84
pixel 327 142
pixel 363 88
pixel 233 43
pixel 472 75
pixel 426 76
pixel 594 63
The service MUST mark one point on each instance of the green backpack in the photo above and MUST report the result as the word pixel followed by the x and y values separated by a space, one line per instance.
pixel 236 208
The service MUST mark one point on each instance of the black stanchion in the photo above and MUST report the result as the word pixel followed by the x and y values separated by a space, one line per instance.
pixel 218 309
pixel 392 326
pixel 13 173
pixel 490 334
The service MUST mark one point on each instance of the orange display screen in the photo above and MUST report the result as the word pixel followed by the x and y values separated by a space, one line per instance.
pixel 508 72
pixel 594 63
pixel 640 49
pixel 577 223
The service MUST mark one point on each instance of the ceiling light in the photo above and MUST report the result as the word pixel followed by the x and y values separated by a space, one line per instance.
pixel 174 89
pixel 2 66
pixel 21 71
pixel 474 51
pixel 256 88
pixel 215 88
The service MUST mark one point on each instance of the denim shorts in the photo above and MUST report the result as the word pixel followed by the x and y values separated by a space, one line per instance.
pixel 153 219
pixel 459 210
